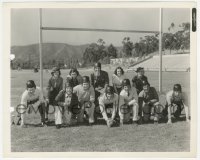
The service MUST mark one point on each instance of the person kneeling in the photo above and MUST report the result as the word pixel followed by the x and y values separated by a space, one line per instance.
pixel 108 103
pixel 32 99
pixel 176 101
pixel 128 103
pixel 86 97
pixel 149 103
pixel 68 105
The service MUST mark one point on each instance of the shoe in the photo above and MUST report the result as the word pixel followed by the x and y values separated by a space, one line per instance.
pixel 169 122
pixel 43 124
pixel 90 124
pixel 23 126
pixel 46 120
pixel 58 126
pixel 139 121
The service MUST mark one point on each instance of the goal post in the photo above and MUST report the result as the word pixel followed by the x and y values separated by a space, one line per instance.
pixel 41 28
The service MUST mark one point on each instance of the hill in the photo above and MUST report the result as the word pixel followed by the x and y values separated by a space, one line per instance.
pixel 51 51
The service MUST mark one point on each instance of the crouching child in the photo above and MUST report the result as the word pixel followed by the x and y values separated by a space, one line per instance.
pixel 108 103
pixel 68 103
pixel 128 103
pixel 149 105
pixel 32 99
pixel 176 102
pixel 86 97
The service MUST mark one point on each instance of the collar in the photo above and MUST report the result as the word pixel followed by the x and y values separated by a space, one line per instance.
pixel 68 95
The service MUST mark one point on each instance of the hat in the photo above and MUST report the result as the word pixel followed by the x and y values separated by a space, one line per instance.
pixel 55 69
pixel 139 69
pixel 86 79
pixel 177 87
pixel 30 84
pixel 98 64
pixel 109 90
pixel 126 82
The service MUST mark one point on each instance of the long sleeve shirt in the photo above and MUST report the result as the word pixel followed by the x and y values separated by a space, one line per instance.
pixel 171 98
pixel 34 99
pixel 53 88
pixel 138 83
pixel 101 80
pixel 148 96
pixel 103 100
pixel 84 95
pixel 129 98
pixel 62 98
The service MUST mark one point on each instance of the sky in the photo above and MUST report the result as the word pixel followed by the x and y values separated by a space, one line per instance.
pixel 25 24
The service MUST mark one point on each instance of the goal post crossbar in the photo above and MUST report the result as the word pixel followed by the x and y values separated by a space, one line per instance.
pixel 96 30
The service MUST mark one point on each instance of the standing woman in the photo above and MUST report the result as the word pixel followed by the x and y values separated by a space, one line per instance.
pixel 117 79
pixel 75 77
pixel 55 85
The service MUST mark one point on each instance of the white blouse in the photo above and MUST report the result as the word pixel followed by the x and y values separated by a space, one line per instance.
pixel 117 81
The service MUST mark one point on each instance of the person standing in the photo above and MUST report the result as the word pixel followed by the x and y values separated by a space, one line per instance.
pixel 117 79
pixel 99 81
pixel 75 77
pixel 138 79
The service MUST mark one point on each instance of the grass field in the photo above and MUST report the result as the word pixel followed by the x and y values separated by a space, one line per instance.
pixel 146 137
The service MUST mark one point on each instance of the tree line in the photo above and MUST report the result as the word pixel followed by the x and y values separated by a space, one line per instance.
pixel 99 51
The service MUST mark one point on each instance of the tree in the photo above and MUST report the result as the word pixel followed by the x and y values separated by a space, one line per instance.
pixel 95 52
pixel 127 46
pixel 112 51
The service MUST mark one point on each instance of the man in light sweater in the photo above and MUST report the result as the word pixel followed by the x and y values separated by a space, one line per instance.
pixel 176 102
pixel 32 99
pixel 108 102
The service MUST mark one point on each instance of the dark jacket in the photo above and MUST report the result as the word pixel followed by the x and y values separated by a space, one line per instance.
pixel 99 81
pixel 139 83
pixel 75 81
pixel 147 97
pixel 61 98
pixel 53 88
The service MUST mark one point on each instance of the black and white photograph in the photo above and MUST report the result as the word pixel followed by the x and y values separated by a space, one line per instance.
pixel 101 79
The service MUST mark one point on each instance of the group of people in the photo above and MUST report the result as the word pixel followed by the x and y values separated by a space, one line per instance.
pixel 80 99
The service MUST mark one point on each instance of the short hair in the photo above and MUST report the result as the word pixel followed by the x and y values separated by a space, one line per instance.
pixel 115 72
pixel 73 70
pixel 54 70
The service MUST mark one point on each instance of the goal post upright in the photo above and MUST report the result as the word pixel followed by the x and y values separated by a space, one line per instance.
pixel 40 49
pixel 160 48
